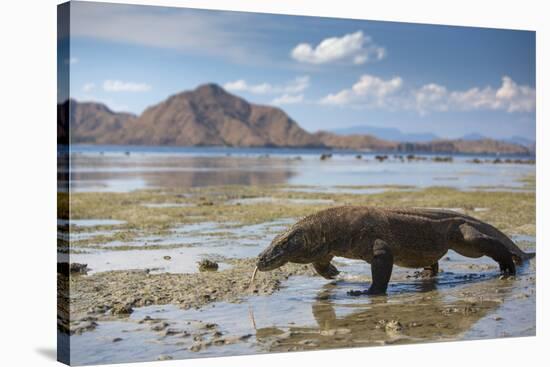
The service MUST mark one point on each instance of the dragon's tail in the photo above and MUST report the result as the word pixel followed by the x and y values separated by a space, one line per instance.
pixel 529 255
pixel 523 256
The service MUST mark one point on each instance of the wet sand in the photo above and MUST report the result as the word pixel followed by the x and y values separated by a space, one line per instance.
pixel 143 297
pixel 215 314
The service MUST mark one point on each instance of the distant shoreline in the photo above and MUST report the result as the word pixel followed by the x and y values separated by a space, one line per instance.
pixel 84 148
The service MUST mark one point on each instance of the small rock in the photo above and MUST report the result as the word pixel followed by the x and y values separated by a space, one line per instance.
pixel 198 346
pixel 98 309
pixel 333 332
pixel 393 326
pixel 77 268
pixel 164 357
pixel 82 327
pixel 207 265
pixel 167 257
pixel 195 347
pixel 309 342
pixel 171 331
pixel 116 340
pixel 160 327
pixel 121 309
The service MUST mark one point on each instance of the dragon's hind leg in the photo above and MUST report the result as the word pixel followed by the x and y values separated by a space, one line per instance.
pixel 381 267
pixel 473 243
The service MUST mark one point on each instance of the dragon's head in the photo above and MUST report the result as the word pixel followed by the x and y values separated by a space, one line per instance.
pixel 288 246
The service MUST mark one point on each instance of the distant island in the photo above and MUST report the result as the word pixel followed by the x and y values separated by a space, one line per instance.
pixel 210 116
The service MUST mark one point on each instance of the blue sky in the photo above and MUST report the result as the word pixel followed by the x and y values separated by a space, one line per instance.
pixel 325 73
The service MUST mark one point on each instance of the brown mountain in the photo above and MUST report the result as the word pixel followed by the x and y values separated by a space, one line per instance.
pixel 355 142
pixel 95 123
pixel 210 116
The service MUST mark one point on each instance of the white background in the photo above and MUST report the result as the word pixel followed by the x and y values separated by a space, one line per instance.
pixel 28 181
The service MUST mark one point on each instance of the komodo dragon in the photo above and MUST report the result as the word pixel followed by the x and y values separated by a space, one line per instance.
pixel 412 238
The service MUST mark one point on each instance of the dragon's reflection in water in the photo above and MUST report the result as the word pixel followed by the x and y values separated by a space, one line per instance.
pixel 418 311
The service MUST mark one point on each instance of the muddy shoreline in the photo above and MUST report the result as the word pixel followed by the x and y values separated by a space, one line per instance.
pixel 114 294
pixel 145 288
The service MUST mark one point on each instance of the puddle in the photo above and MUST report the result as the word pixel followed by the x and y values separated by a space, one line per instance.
pixel 261 200
pixel 80 236
pixel 197 241
pixel 458 210
pixel 181 260
pixel 524 238
pixel 91 222
pixel 340 190
pixel 202 227
pixel 166 205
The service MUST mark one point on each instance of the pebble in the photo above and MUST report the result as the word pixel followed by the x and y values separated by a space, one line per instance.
pixel 208 265
pixel 171 331
pixel 333 332
pixel 160 327
pixel 121 309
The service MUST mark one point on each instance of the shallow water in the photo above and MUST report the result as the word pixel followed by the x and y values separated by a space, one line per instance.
pixel 261 200
pixel 111 169
pixel 313 313
pixel 95 222
pixel 166 205
pixel 196 242
pixel 466 301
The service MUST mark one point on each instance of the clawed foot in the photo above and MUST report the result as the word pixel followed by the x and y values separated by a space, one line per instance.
pixel 426 274
pixel 370 292
pixel 508 269
pixel 327 271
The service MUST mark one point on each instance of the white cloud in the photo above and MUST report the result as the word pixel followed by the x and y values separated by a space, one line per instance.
pixel 294 86
pixel 356 48
pixel 88 87
pixel 430 96
pixel 369 91
pixel 373 92
pixel 288 99
pixel 509 97
pixel 242 86
pixel 121 86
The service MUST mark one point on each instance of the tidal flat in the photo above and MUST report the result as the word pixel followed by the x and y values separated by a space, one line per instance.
pixel 144 298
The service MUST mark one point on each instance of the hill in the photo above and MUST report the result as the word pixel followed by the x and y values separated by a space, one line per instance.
pixel 210 116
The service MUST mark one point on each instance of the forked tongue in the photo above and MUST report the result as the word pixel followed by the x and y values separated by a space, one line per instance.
pixel 253 277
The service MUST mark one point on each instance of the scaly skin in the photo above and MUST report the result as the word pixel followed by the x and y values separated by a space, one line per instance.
pixel 412 238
